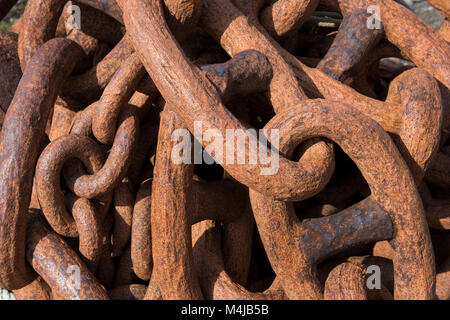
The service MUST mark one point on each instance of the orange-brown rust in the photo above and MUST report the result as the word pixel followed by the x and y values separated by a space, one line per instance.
pixel 92 195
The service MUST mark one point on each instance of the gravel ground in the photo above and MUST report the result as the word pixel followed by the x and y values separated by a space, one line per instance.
pixel 13 15
pixel 420 7
pixel 426 12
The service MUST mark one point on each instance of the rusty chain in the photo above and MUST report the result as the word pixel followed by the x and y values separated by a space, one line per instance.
pixel 118 180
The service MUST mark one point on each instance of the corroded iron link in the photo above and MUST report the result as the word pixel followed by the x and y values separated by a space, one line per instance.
pixel 224 149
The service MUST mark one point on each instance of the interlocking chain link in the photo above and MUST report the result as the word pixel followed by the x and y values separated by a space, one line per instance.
pixel 118 179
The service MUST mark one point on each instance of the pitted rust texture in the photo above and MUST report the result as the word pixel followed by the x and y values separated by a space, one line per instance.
pixel 115 167
pixel 48 174
pixel 351 45
pixel 285 17
pixel 348 280
pixel 36 290
pixel 422 45
pixel 50 256
pixel 87 87
pixel 116 94
pixel 111 32
pixel 405 210
pixel 444 30
pixel 172 246
pixel 214 280
pixel 204 99
pixel 39 24
pixel 89 183
pixel 10 71
pixel 19 142
pixel 141 245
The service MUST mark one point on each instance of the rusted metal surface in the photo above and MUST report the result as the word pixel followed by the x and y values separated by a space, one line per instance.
pixel 348 280
pixel 296 275
pixel 91 189
pixel 214 280
pixel 48 174
pixel 51 257
pixel 10 71
pixel 141 245
pixel 444 30
pixel 442 279
pixel 285 17
pixel 203 99
pixel 351 45
pixel 36 290
pixel 19 142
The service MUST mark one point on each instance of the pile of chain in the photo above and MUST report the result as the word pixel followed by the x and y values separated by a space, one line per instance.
pixel 92 205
